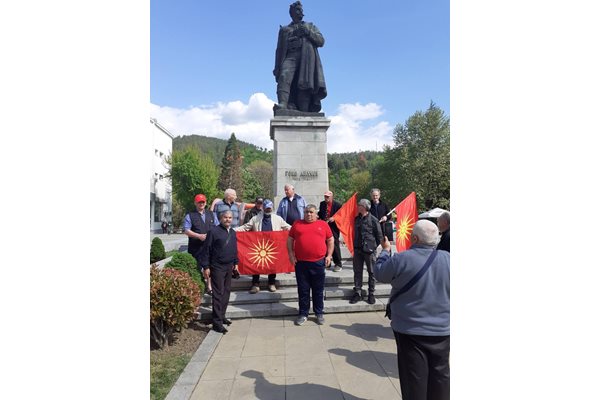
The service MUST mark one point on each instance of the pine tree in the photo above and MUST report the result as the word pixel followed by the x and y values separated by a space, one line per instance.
pixel 231 168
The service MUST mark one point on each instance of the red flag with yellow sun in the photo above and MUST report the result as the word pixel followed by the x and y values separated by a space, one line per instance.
pixel 406 217
pixel 263 253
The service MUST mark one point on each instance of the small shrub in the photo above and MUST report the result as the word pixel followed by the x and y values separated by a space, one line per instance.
pixel 157 250
pixel 174 297
pixel 187 263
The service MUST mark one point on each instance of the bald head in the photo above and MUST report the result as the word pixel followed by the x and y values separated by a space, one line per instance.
pixel 425 232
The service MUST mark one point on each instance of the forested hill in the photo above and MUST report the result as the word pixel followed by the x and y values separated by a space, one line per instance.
pixel 215 148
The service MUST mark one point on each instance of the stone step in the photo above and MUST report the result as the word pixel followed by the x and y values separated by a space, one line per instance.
pixel 291 308
pixel 290 293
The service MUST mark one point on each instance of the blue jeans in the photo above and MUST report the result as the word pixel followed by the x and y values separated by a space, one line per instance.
pixel 310 276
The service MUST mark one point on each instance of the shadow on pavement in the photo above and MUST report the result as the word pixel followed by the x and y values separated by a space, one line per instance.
pixel 264 390
pixel 368 332
pixel 387 361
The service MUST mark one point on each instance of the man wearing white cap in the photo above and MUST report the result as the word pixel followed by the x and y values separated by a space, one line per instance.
pixel 327 209
pixel 264 221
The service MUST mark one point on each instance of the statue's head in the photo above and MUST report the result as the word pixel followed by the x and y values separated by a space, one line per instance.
pixel 296 11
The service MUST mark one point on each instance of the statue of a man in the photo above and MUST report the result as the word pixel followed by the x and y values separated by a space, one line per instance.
pixel 298 70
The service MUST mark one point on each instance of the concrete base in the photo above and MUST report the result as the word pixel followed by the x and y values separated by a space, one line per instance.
pixel 300 156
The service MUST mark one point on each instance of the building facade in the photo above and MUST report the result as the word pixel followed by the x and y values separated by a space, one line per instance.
pixel 161 204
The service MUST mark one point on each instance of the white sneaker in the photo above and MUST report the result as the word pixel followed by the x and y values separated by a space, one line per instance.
pixel 254 289
pixel 337 268
pixel 272 288
pixel 301 319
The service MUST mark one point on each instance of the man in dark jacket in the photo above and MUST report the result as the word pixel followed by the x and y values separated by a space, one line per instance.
pixel 378 208
pixel 443 224
pixel 367 236
pixel 421 315
pixel 258 206
pixel 219 259
pixel 327 209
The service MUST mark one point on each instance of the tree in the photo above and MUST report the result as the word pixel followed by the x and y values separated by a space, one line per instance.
pixel 263 173
pixel 419 160
pixel 231 168
pixel 192 173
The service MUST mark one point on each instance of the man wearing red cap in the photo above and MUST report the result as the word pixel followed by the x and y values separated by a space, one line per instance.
pixel 196 226
pixel 327 208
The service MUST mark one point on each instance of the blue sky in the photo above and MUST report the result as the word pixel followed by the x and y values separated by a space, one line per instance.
pixel 211 66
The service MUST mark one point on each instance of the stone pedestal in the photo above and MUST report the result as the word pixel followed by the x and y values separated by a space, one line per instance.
pixel 300 156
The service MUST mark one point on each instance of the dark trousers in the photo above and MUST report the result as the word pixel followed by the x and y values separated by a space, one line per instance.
pixel 358 260
pixel 220 278
pixel 423 366
pixel 337 254
pixel 256 279
pixel 310 276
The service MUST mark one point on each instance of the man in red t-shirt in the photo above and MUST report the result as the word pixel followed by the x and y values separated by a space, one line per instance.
pixel 310 245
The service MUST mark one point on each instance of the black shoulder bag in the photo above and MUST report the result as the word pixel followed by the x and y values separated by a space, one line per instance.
pixel 411 283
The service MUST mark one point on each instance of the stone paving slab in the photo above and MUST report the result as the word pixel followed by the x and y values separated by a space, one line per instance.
pixel 351 356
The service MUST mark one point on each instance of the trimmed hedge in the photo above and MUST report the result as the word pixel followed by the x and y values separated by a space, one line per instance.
pixel 157 250
pixel 187 263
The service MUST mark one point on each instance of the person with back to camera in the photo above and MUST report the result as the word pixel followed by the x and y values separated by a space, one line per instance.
pixel 420 312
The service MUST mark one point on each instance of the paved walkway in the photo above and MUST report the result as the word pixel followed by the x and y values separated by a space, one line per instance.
pixel 352 356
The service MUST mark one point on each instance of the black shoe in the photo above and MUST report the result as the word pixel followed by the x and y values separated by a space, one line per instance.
pixel 220 329
pixel 371 298
pixel 227 321
pixel 355 298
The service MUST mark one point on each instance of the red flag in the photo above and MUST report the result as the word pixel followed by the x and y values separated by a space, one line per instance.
pixel 406 217
pixel 263 253
pixel 344 219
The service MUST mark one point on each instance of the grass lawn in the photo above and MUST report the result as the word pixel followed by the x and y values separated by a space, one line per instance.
pixel 164 371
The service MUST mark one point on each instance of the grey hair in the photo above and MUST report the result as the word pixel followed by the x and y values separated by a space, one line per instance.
pixel 230 191
pixel 289 186
pixel 310 206
pixel 375 190
pixel 427 232
pixel 365 203
pixel 445 217
pixel 224 213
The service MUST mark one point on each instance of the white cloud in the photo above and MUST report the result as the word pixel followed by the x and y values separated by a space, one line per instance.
pixel 352 128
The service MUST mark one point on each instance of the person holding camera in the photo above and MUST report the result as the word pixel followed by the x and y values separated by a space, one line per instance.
pixel 367 236
pixel 420 312
pixel 219 262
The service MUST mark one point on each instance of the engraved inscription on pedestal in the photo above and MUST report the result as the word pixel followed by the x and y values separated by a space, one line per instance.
pixel 300 156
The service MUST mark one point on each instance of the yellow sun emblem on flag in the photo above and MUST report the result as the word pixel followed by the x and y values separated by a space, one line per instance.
pixel 404 228
pixel 262 254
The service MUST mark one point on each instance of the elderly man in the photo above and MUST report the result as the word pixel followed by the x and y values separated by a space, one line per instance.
pixel 291 207
pixel 228 204
pixel 367 236
pixel 196 225
pixel 310 245
pixel 219 259
pixel 443 224
pixel 327 208
pixel 420 313
pixel 264 221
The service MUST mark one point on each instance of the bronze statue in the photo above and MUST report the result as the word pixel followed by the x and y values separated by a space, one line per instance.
pixel 298 70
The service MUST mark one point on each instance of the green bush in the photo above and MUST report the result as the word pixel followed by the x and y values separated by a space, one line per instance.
pixel 157 250
pixel 174 298
pixel 187 263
